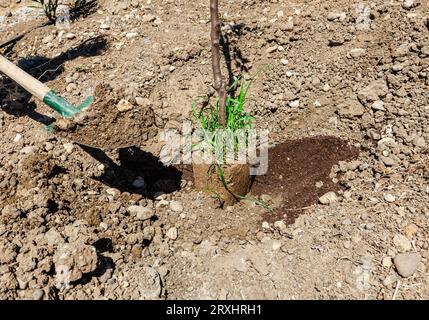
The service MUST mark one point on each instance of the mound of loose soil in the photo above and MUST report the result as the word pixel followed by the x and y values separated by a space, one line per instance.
pixel 297 168
pixel 104 125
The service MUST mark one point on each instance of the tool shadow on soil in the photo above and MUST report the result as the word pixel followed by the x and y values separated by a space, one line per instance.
pixel 136 171
pixel 44 69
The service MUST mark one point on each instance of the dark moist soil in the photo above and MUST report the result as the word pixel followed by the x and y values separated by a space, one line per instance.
pixel 294 169
pixel 103 126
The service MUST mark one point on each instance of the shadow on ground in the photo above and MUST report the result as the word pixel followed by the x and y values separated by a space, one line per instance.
pixel 136 171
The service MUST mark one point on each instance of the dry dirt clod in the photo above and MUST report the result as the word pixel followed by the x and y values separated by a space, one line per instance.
pixel 72 261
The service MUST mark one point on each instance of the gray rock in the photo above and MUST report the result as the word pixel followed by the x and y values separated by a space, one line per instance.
pixel 124 106
pixel 357 52
pixel 172 233
pixel 176 206
pixel 72 261
pixel 407 263
pixel 38 294
pixel 374 91
pixel 388 161
pixel 140 212
pixel 389 197
pixel 328 198
pixel 408 4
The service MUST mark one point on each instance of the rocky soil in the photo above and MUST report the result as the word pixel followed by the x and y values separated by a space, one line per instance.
pixel 83 223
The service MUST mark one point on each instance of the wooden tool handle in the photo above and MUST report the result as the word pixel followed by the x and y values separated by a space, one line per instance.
pixel 32 85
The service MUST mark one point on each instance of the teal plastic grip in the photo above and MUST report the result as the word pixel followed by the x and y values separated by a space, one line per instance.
pixel 62 106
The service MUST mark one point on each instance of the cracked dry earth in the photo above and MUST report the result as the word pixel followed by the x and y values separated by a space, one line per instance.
pixel 82 223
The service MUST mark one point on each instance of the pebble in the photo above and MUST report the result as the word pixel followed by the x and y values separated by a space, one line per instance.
pixel 104 26
pixel 131 35
pixel 124 105
pixel 265 225
pixel 38 294
pixel 408 4
pixel 68 147
pixel 328 198
pixel 280 225
pixel 357 52
pixel 387 262
pixel 70 36
pixel 401 243
pixel 294 104
pixel 139 183
pixel 284 61
pixel 407 263
pixel 141 213
pixel 389 197
pixel 29 150
pixel 71 87
pixel 172 233
pixel 272 49
pixel 276 245
pixel 176 206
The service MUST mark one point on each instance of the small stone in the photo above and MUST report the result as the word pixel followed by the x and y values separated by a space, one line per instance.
pixel 38 294
pixel 70 36
pixel 17 138
pixel 378 106
pixel 104 26
pixel 29 150
pixel 317 104
pixel 289 25
pixel 328 198
pixel 319 184
pixel 68 147
pixel 144 102
pixel 326 87
pixel 347 244
pixel 387 262
pixel 390 280
pixel 280 225
pixel 124 105
pixel 172 233
pixel 139 183
pixel 294 104
pixel 357 52
pixel 272 49
pixel 71 87
pixel 276 245
pixel 131 35
pixel 401 243
pixel 419 142
pixel 141 213
pixel 408 4
pixel 411 230
pixel 389 197
pixel 265 225
pixel 148 18
pixel 388 161
pixel 407 263
pixel 176 206
pixel 284 61
pixel 48 39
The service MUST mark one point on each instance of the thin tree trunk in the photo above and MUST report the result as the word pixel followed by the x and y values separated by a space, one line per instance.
pixel 219 80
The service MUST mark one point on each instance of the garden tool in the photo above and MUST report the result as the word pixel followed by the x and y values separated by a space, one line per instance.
pixel 41 91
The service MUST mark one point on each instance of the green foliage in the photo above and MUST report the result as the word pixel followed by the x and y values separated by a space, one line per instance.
pixel 237 118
